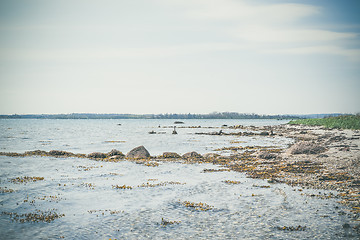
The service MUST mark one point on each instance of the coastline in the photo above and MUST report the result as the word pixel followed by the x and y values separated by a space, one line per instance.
pixel 330 160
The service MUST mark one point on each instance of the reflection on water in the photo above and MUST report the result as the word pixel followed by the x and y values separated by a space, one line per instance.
pixel 83 190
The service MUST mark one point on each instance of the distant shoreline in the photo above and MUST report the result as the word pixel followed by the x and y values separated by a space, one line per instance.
pixel 216 115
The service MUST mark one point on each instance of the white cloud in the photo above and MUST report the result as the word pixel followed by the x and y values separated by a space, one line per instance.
pixel 242 10
pixel 106 53
pixel 352 54
pixel 280 35
pixel 275 28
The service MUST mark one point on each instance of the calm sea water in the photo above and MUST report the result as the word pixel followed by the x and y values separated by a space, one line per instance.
pixel 85 136
pixel 252 209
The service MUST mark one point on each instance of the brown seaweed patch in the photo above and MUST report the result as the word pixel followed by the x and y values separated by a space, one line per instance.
pixel 197 206
pixel 37 216
pixel 121 187
pixel 6 190
pixel 88 185
pixel 105 212
pixel 215 170
pixel 292 228
pixel 160 184
pixel 26 179
pixel 261 186
pixel 232 182
pixel 164 222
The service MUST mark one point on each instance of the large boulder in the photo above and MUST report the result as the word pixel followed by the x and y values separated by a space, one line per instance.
pixel 306 148
pixel 191 155
pixel 138 152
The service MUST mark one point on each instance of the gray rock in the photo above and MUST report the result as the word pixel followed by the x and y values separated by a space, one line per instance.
pixel 191 155
pixel 138 152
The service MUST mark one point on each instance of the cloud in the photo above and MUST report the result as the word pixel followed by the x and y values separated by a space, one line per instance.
pixel 115 52
pixel 271 28
pixel 242 10
pixel 352 54
pixel 286 35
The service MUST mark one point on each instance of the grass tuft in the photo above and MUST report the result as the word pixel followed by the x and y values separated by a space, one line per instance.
pixel 342 122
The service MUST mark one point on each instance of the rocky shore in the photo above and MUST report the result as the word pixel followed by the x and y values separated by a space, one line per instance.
pixel 319 158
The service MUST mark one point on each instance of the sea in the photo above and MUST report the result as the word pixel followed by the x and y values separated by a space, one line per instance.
pixel 80 198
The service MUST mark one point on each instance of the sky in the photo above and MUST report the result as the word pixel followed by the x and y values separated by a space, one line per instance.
pixel 179 56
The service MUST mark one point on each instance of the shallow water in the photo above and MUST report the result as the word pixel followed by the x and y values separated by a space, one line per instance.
pixel 95 210
pixel 245 210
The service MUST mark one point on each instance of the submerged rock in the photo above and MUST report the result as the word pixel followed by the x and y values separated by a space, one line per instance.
pixel 192 155
pixel 170 155
pixel 306 148
pixel 138 152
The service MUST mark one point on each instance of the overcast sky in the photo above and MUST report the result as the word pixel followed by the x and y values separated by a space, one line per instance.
pixel 179 56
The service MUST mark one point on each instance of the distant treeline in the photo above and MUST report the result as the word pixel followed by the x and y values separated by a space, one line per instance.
pixel 214 115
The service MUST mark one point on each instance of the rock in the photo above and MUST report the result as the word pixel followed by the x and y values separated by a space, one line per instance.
pixel 210 155
pixel 59 153
pixel 36 152
pixel 345 149
pixel 306 148
pixel 264 134
pixel 152 132
pixel 191 155
pixel 170 155
pixel 138 152
pixel 346 225
pixel 266 155
pixel 178 122
pixel 116 157
pixel 115 152
pixel 96 155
